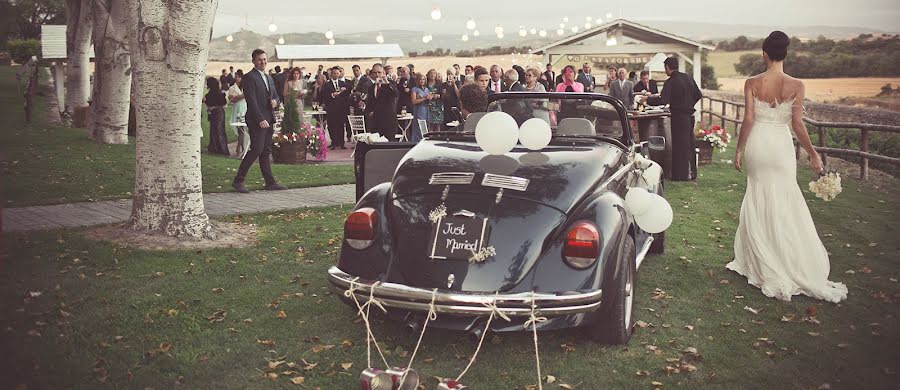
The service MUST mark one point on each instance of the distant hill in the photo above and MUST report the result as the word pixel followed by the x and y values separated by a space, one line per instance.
pixel 245 41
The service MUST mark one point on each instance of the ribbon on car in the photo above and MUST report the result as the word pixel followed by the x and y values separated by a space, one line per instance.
pixel 533 321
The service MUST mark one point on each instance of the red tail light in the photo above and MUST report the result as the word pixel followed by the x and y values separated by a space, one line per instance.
pixel 359 228
pixel 582 246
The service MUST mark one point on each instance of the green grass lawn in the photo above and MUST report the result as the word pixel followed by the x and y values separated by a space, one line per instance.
pixel 48 164
pixel 78 314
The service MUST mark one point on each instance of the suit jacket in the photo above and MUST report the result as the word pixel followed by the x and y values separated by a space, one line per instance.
pixel 586 80
pixel 625 93
pixel 280 79
pixel 502 85
pixel 550 76
pixel 515 87
pixel 360 90
pixel 639 87
pixel 259 106
pixel 680 92
pixel 381 108
pixel 339 105
pixel 404 87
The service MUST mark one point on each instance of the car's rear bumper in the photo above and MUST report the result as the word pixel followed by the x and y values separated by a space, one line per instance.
pixel 398 296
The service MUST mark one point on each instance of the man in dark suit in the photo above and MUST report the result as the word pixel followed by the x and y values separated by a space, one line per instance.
pixel 585 78
pixel 337 106
pixel 259 92
pixel 280 79
pixel 381 104
pixel 517 108
pixel 496 83
pixel 404 87
pixel 681 93
pixel 646 86
pixel 550 77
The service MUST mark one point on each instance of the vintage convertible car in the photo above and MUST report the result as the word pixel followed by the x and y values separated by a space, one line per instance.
pixel 554 220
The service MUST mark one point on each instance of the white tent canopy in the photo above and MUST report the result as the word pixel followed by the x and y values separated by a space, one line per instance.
pixel 338 52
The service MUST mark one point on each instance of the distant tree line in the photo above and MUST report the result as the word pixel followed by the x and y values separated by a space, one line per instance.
pixel 863 56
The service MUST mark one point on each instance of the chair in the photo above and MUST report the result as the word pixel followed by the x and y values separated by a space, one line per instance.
pixel 575 126
pixel 423 127
pixel 357 124
pixel 472 120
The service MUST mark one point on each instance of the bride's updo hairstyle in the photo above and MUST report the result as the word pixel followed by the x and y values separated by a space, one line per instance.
pixel 776 45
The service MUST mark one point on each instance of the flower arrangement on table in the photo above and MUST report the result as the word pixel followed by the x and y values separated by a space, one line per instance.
pixel 294 131
pixel 715 135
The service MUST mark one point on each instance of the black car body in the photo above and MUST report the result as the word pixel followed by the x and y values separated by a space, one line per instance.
pixel 556 218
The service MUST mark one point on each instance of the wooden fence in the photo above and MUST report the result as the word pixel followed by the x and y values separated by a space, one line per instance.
pixel 724 107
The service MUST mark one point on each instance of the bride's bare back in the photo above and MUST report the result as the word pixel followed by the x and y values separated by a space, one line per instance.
pixel 775 87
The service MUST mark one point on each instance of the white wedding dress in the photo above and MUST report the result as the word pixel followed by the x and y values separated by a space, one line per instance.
pixel 776 245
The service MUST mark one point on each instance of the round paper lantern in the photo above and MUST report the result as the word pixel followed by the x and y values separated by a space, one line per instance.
pixel 465 38
pixel 587 26
pixel 658 218
pixel 273 27
pixel 229 38
pixel 523 32
pixel 471 24
pixel 498 30
pixel 574 29
pixel 535 134
pixel 637 200
pixel 497 133
pixel 436 13
pixel 476 33
pixel 543 33
pixel 566 19
pixel 560 32
pixel 379 38
pixel 331 41
pixel 329 34
pixel 500 36
pixel 280 40
pixel 532 31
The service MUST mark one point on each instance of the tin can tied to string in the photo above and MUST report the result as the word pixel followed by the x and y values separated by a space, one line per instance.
pixel 403 378
pixel 451 384
pixel 375 379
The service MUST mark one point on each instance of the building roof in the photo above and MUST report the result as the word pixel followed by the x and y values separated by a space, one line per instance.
pixel 53 42
pixel 629 29
pixel 335 52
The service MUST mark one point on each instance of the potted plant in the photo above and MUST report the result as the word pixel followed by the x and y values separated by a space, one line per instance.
pixel 289 143
pixel 707 139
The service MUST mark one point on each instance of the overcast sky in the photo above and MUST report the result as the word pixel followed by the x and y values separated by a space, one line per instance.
pixel 351 16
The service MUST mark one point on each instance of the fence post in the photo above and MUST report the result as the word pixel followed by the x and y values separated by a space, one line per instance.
pixel 822 144
pixel 864 163
pixel 723 113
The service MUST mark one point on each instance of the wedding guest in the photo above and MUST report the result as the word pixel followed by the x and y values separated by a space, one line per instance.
pixel 472 98
pixel 569 84
pixel 632 76
pixel 482 79
pixel 550 76
pixel 681 93
pixel 230 76
pixel 381 104
pixel 223 80
pixel 259 91
pixel 457 74
pixel 337 107
pixel 357 75
pixel 470 70
pixel 238 111
pixel 521 71
pixel 646 86
pixel 280 78
pixel 294 88
pixel 496 84
pixel 449 91
pixel 435 105
pixel 585 78
pixel 532 84
pixel 404 87
pixel 622 89
pixel 215 109
pixel 412 69
pixel 319 90
pixel 419 97
pixel 388 72
pixel 361 83
pixel 611 75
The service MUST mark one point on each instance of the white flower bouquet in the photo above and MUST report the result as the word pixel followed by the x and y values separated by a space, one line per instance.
pixel 369 138
pixel 827 187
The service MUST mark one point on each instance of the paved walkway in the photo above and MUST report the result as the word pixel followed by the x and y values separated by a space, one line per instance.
pixel 73 215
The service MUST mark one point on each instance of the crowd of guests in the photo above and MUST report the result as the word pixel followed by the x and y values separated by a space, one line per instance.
pixel 381 93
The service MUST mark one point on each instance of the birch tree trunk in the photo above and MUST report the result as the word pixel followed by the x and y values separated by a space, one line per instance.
pixel 169 41
pixel 78 42
pixel 112 73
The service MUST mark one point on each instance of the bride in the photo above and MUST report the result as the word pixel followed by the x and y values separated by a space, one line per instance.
pixel 776 245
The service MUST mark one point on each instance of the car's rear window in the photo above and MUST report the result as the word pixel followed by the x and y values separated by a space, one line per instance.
pixel 574 116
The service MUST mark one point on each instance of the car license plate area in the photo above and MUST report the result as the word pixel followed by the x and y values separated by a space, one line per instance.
pixel 457 237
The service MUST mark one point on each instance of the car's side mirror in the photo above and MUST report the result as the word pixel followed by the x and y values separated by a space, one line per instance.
pixel 657 143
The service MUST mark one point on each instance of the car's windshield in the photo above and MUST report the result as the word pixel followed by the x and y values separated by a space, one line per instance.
pixel 572 115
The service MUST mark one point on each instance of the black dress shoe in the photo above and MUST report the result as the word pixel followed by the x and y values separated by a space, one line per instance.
pixel 343 147
pixel 274 187
pixel 239 187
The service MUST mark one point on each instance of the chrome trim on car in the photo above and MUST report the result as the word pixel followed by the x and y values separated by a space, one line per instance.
pixel 643 253
pixel 443 178
pixel 508 182
pixel 398 296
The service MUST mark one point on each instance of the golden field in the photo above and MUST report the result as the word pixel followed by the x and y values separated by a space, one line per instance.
pixel 828 89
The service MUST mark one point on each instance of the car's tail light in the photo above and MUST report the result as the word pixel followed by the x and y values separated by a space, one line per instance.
pixel 359 228
pixel 582 246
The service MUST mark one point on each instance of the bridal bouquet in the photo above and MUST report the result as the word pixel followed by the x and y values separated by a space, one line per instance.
pixel 827 187
pixel 715 135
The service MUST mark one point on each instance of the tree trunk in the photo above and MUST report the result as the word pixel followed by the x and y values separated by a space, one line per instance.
pixel 78 43
pixel 112 73
pixel 169 41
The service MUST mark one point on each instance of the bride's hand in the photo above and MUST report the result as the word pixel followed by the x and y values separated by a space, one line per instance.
pixel 815 163
pixel 737 160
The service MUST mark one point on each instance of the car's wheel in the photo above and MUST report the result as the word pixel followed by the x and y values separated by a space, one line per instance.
pixel 658 246
pixel 615 322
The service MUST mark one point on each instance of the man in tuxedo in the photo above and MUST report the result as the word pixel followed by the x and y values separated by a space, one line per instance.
pixel 622 89
pixel 280 79
pixel 517 108
pixel 550 76
pixel 403 89
pixel 356 97
pixel 496 83
pixel 381 104
pixel 585 78
pixel 223 81
pixel 646 86
pixel 681 93
pixel 259 93
pixel 337 107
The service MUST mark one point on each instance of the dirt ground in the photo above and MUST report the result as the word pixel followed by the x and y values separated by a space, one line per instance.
pixel 228 235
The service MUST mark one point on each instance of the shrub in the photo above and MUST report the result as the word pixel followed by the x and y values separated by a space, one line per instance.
pixel 22 49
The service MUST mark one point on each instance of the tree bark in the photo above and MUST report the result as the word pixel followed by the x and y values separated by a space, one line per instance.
pixel 169 41
pixel 112 73
pixel 78 43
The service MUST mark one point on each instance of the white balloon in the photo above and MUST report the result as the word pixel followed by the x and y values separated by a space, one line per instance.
pixel 535 134
pixel 497 133
pixel 637 200
pixel 658 218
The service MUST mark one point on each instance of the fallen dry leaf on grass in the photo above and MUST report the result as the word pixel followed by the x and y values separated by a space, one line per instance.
pixel 346 366
pixel 298 380
pixel 752 310
pixel 281 314
pixel 320 348
pixel 551 379
pixel 268 343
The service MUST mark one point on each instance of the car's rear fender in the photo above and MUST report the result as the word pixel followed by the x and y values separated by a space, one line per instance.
pixel 372 262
